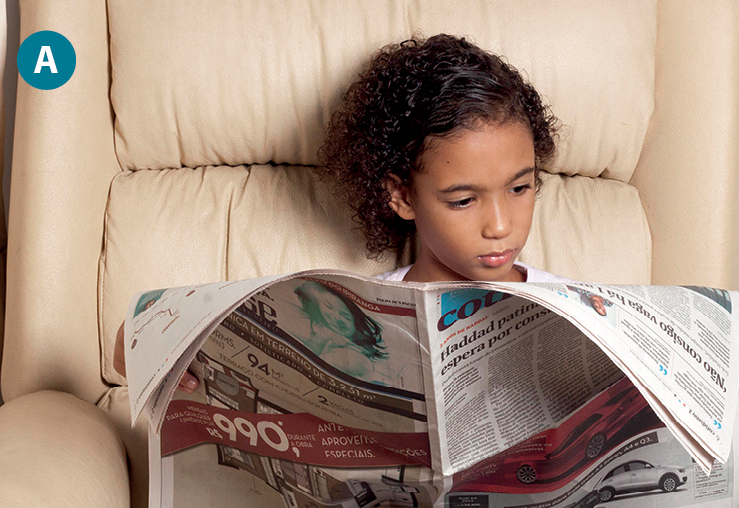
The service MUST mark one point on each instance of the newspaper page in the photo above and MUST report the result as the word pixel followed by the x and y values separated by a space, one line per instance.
pixel 675 342
pixel 643 331
pixel 311 394
pixel 331 389
pixel 504 369
pixel 161 324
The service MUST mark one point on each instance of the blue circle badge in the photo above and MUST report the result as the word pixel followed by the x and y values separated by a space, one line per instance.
pixel 46 60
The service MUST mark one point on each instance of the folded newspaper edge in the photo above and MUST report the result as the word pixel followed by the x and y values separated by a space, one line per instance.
pixel 172 326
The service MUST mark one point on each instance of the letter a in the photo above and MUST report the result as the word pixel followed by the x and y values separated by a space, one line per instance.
pixel 45 50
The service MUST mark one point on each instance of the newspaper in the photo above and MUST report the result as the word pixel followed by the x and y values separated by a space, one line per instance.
pixel 326 388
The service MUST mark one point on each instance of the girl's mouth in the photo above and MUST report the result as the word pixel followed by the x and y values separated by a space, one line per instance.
pixel 497 259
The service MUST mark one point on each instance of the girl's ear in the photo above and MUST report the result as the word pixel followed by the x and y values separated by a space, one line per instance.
pixel 399 198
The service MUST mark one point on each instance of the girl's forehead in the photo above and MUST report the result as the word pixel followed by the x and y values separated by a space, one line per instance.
pixel 486 154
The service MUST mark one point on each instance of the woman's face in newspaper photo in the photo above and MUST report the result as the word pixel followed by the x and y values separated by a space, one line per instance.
pixel 336 314
pixel 472 202
pixel 327 309
pixel 598 304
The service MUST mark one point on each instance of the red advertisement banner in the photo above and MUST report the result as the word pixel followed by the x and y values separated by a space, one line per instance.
pixel 298 437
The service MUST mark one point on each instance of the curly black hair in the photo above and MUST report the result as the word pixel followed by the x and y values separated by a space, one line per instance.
pixel 412 93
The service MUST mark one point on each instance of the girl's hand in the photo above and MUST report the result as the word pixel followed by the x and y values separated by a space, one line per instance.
pixel 188 383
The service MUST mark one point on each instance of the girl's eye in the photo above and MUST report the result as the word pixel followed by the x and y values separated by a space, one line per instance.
pixel 462 203
pixel 520 189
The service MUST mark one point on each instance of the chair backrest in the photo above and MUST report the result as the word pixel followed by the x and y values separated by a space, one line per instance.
pixel 181 152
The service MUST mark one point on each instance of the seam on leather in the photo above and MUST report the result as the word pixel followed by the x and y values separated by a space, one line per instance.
pixel 102 268
pixel 105 401
pixel 110 89
pixel 245 180
pixel 226 265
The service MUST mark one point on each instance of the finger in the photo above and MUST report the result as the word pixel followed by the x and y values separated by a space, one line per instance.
pixel 188 383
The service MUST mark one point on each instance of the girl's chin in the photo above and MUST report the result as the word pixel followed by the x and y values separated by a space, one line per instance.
pixel 503 273
pixel 474 272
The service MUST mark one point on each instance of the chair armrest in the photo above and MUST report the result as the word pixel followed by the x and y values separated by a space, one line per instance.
pixel 57 450
pixel 63 162
pixel 687 176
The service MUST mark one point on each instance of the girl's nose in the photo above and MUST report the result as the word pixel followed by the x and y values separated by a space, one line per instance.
pixel 496 222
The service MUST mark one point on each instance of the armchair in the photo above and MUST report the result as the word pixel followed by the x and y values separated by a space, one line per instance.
pixel 180 153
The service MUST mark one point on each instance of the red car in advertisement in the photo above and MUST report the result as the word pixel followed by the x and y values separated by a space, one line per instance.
pixel 550 459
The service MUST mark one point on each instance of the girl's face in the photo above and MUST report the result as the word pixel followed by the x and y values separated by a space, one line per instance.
pixel 335 313
pixel 472 203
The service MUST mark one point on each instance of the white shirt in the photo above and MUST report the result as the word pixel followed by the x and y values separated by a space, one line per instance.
pixel 532 274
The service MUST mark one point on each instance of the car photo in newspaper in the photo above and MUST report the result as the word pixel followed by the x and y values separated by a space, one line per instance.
pixel 648 469
pixel 613 450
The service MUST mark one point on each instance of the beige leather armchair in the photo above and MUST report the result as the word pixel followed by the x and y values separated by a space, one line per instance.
pixel 180 152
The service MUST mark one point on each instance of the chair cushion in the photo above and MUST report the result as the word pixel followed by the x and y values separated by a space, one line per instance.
pixel 231 85
pixel 222 223
pixel 590 229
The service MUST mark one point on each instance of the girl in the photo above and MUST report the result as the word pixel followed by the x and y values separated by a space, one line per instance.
pixel 442 139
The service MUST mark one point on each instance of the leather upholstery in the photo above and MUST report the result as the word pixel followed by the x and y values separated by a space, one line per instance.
pixel 65 157
pixel 688 173
pixel 269 96
pixel 63 452
pixel 218 223
pixel 149 167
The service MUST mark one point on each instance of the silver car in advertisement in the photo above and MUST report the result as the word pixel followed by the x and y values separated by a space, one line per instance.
pixel 640 476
